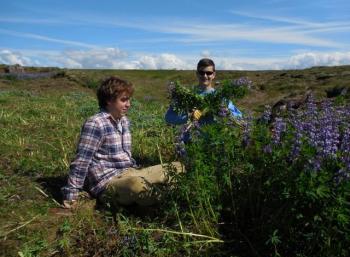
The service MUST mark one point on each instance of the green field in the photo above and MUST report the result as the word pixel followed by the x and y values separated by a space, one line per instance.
pixel 40 120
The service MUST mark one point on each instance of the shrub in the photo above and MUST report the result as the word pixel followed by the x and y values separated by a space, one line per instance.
pixel 281 189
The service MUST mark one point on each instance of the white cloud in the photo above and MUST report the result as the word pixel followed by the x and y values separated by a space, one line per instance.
pixel 241 63
pixel 110 58
pixel 305 60
pixel 297 61
pixel 205 54
pixel 118 59
pixel 114 58
pixel 162 61
pixel 9 57
pixel 94 58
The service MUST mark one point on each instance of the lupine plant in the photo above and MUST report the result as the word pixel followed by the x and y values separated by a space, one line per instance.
pixel 184 100
pixel 280 188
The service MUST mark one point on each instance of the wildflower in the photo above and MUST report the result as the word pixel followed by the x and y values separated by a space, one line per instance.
pixel 279 127
pixel 266 115
pixel 315 163
pixel 243 81
pixel 328 136
pixel 298 134
pixel 267 149
pixel 345 149
pixel 341 175
pixel 180 149
pixel 224 111
pixel 310 120
pixel 247 128
pixel 345 141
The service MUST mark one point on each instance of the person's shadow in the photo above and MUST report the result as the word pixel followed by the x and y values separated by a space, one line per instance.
pixel 52 186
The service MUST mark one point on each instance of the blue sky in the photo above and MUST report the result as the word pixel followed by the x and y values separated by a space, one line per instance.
pixel 247 35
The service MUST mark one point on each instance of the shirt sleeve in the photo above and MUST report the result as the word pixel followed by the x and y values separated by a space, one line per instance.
pixel 89 142
pixel 173 118
pixel 234 110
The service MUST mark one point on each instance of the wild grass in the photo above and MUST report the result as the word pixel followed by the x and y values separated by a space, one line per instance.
pixel 39 130
pixel 40 121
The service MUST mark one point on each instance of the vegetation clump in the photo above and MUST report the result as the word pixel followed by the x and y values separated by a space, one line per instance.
pixel 276 189
pixel 258 189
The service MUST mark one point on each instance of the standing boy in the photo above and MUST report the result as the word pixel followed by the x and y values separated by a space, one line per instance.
pixel 205 75
pixel 103 158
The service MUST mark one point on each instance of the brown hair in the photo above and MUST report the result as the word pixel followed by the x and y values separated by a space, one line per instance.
pixel 111 88
pixel 205 62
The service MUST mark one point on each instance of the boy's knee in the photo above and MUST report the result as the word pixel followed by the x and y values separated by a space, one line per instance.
pixel 126 190
pixel 135 185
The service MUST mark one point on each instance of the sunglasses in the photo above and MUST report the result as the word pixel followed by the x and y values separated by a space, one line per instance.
pixel 208 73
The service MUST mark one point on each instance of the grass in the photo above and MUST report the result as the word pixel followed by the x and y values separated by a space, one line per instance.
pixel 40 121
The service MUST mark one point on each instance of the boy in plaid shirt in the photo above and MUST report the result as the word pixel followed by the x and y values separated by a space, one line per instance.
pixel 103 156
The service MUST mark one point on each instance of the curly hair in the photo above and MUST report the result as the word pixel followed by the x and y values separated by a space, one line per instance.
pixel 111 88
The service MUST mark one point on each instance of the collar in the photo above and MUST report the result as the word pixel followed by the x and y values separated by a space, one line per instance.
pixel 204 91
pixel 116 123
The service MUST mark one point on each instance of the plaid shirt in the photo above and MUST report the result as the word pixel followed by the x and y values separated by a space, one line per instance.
pixel 104 151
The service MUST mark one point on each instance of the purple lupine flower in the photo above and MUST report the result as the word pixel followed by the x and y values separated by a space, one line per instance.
pixel 279 126
pixel 243 81
pixel 298 134
pixel 267 149
pixel 328 136
pixel 345 141
pixel 345 149
pixel 342 174
pixel 184 136
pixel 310 120
pixel 267 114
pixel 247 128
pixel 223 112
pixel 196 128
pixel 180 149
pixel 196 124
pixel 184 130
pixel 315 163
pixel 325 128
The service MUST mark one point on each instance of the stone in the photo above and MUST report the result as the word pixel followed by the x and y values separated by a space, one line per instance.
pixel 14 69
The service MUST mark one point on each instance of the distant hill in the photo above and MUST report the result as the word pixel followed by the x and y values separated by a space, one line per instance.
pixel 268 86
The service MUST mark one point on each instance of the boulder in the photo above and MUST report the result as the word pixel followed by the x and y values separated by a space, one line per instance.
pixel 14 69
pixel 286 104
pixel 336 91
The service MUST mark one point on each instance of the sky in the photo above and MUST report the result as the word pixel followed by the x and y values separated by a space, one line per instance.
pixel 155 34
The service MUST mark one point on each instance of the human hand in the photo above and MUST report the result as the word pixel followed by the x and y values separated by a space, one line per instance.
pixel 70 204
pixel 196 114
